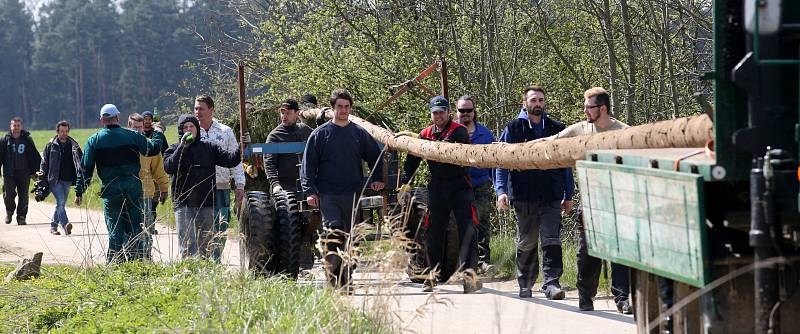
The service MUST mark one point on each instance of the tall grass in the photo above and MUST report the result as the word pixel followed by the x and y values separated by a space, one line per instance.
pixel 189 296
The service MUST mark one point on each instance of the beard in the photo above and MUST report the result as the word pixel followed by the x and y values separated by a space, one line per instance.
pixel 537 111
pixel 590 119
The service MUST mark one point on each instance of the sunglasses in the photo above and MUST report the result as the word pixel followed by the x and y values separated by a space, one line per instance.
pixel 464 111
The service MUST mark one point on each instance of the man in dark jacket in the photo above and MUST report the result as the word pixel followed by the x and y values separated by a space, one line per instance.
pixel 449 190
pixel 538 198
pixel 192 164
pixel 481 181
pixel 282 169
pixel 20 162
pixel 332 178
pixel 115 151
pixel 61 165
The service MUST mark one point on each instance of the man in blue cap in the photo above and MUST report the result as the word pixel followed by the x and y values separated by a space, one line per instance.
pixel 115 152
pixel 449 190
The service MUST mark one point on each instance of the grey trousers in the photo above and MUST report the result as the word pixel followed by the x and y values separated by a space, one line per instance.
pixel 195 230
pixel 535 220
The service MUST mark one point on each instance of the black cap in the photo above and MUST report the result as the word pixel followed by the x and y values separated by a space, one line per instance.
pixel 290 104
pixel 308 98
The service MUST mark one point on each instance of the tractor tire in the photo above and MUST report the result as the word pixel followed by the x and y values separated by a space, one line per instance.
pixel 289 236
pixel 256 228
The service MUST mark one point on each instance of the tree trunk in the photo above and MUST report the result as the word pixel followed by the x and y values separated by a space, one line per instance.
pixel 692 131
pixel 630 96
pixel 608 33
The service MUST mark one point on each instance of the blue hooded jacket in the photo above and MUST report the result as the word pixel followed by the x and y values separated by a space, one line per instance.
pixel 482 135
pixel 533 184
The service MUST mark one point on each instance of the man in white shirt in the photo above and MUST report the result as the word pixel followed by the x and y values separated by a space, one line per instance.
pixel 211 130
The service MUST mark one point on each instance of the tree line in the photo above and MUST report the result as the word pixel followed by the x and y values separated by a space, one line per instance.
pixel 77 55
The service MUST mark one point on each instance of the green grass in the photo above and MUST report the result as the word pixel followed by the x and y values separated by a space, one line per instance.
pixel 191 296
pixel 504 248
pixel 91 198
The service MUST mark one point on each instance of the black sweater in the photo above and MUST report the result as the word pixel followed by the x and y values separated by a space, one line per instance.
pixel 193 171
pixel 282 168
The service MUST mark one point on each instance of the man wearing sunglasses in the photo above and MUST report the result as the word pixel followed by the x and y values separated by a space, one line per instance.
pixel 538 198
pixel 597 107
pixel 481 181
pixel 449 191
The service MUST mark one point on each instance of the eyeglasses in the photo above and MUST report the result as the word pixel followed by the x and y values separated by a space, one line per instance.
pixel 464 111
pixel 590 107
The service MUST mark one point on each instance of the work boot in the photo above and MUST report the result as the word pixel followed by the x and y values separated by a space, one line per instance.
pixel 585 304
pixel 624 307
pixel 68 229
pixel 553 292
pixel 8 217
pixel 471 281
pixel 525 293
pixel 54 232
pixel 21 220
pixel 428 285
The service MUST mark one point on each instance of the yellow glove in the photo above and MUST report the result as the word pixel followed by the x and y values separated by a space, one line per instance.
pixel 407 134
pixel 404 194
pixel 251 170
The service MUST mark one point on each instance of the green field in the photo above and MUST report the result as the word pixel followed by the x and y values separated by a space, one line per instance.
pixel 186 297
pixel 91 199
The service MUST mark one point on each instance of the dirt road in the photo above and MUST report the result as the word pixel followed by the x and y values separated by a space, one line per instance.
pixel 495 309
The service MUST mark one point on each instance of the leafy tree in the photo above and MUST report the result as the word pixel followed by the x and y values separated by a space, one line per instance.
pixel 16 47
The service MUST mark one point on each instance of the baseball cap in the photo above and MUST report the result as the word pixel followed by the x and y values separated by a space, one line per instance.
pixel 308 98
pixel 439 103
pixel 290 104
pixel 109 111
pixel 147 113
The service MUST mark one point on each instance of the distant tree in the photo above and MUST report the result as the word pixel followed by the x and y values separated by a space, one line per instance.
pixel 16 47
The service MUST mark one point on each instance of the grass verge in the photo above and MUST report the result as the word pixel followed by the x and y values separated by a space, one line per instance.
pixel 190 296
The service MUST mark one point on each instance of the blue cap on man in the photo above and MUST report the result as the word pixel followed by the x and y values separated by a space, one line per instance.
pixel 439 103
pixel 109 111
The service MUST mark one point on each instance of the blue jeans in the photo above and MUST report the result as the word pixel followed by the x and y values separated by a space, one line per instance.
pixel 194 230
pixel 148 219
pixel 222 216
pixel 60 191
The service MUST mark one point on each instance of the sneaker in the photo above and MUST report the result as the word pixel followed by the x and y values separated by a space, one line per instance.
pixel 428 286
pixel 471 281
pixel 54 232
pixel 585 304
pixel 488 270
pixel 21 220
pixel 624 307
pixel 68 229
pixel 525 293
pixel 553 292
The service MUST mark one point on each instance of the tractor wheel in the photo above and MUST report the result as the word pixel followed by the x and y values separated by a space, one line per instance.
pixel 289 237
pixel 256 241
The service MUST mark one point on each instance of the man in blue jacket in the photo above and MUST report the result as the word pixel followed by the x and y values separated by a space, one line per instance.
pixel 481 180
pixel 538 198
pixel 332 178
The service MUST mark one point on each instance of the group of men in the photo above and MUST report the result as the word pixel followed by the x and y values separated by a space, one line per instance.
pixel 132 165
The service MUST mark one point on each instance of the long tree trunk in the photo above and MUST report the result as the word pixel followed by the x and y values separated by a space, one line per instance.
pixel 692 131
pixel 608 33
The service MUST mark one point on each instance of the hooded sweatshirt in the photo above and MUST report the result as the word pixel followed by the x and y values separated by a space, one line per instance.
pixel 19 154
pixel 193 168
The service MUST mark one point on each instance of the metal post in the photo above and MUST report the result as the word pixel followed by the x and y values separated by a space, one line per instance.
pixel 766 277
pixel 242 107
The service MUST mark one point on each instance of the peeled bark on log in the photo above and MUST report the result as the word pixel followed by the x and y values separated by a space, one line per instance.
pixel 693 131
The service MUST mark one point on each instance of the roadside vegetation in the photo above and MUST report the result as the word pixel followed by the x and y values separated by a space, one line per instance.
pixel 189 296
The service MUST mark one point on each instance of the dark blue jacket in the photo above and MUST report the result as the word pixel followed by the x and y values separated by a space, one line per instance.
pixel 332 161
pixel 533 184
pixel 482 135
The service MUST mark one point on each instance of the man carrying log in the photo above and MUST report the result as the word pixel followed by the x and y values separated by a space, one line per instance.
pixel 332 178
pixel 597 107
pixel 538 197
pixel 450 190
pixel 481 181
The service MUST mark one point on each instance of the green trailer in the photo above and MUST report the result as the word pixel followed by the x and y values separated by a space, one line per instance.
pixel 712 234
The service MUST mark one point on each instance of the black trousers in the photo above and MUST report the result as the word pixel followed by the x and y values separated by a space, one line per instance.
pixel 444 199
pixel 589 268
pixel 13 186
